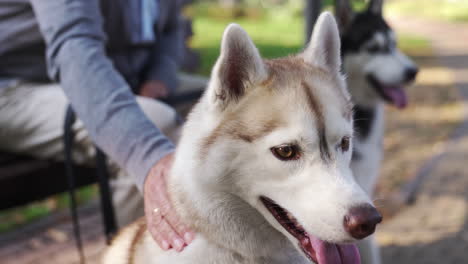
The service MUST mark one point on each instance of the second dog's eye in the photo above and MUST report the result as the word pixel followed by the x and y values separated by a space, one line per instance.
pixel 286 152
pixel 344 144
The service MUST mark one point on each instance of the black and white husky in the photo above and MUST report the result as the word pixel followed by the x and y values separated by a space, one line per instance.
pixel 377 72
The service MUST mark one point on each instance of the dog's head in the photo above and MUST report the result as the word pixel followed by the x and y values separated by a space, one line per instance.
pixel 376 68
pixel 280 132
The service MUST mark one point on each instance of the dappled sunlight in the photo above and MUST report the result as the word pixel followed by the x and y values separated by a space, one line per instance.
pixel 415 134
pixel 435 76
pixel 419 224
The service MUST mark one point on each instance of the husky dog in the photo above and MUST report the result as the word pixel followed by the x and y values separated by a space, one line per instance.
pixel 262 171
pixel 376 73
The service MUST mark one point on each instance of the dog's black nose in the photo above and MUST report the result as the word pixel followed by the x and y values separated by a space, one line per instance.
pixel 410 74
pixel 361 220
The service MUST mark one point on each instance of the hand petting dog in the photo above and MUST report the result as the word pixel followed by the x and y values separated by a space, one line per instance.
pixel 163 223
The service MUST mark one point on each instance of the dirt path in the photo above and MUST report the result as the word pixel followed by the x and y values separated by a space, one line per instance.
pixel 435 228
pixel 50 240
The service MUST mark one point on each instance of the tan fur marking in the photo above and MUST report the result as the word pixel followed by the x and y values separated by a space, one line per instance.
pixel 238 130
pixel 296 65
pixel 268 81
pixel 136 239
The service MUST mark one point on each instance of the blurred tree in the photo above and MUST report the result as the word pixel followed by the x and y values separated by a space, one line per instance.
pixel 311 12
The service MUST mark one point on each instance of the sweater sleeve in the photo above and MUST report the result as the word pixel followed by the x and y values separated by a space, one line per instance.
pixel 99 95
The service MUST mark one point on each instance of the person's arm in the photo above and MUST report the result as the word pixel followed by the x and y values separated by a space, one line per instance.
pixel 97 92
pixel 102 99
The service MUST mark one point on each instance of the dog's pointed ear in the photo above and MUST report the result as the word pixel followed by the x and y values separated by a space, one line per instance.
pixel 238 67
pixel 344 14
pixel 375 6
pixel 324 47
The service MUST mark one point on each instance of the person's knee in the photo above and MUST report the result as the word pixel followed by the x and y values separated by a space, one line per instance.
pixel 162 115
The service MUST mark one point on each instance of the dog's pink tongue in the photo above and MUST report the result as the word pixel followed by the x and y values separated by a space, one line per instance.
pixel 397 95
pixel 327 253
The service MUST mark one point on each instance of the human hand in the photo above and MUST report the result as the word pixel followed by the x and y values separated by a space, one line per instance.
pixel 154 89
pixel 163 223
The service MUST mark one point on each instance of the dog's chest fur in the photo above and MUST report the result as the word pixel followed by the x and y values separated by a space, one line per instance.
pixel 368 145
pixel 138 247
pixel 204 251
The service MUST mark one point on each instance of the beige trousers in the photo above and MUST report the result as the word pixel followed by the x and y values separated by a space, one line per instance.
pixel 31 122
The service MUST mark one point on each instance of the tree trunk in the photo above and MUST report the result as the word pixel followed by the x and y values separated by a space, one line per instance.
pixel 311 12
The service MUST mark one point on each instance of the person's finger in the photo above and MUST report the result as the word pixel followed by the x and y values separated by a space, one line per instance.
pixel 164 232
pixel 170 213
pixel 164 223
pixel 173 219
pixel 151 224
pixel 159 223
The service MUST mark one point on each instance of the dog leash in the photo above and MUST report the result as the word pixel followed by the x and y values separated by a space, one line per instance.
pixel 68 137
pixel 107 208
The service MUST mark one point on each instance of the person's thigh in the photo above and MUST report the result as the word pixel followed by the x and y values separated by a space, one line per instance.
pixel 162 115
pixel 191 82
pixel 31 120
pixel 32 117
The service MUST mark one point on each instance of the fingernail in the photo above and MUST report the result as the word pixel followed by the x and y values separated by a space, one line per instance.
pixel 178 244
pixel 188 236
pixel 165 245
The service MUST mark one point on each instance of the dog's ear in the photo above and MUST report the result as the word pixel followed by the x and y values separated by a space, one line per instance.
pixel 344 14
pixel 238 67
pixel 324 47
pixel 375 6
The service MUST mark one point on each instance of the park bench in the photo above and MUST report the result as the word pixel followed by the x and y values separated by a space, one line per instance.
pixel 24 179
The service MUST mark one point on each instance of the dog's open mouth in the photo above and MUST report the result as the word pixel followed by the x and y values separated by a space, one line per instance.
pixel 316 250
pixel 392 93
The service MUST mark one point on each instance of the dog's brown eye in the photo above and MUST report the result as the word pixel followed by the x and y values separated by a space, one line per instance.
pixel 286 152
pixel 344 145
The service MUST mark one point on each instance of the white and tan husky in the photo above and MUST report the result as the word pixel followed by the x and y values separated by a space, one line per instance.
pixel 262 171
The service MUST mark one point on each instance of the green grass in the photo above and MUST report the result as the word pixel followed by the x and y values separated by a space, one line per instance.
pixel 448 10
pixel 414 45
pixel 275 36
pixel 276 33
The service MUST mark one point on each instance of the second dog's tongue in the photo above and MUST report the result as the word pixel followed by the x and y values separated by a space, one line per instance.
pixel 397 95
pixel 327 253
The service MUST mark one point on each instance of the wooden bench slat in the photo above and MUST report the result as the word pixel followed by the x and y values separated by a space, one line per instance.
pixel 24 180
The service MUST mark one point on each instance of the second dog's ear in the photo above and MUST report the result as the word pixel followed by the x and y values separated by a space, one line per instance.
pixel 238 67
pixel 324 47
pixel 344 14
